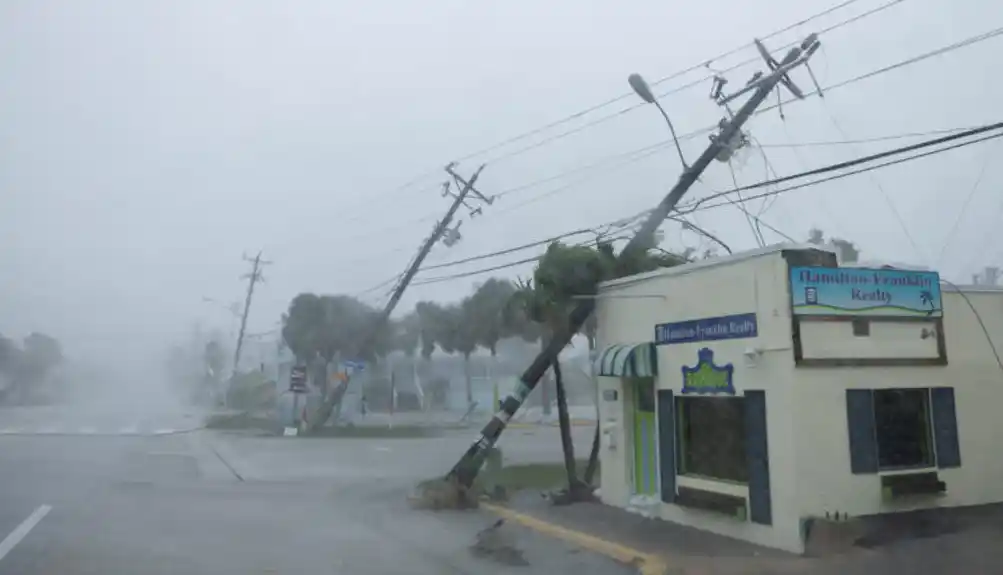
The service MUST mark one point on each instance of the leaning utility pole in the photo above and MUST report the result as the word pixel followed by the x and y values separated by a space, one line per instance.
pixel 721 147
pixel 441 231
pixel 252 278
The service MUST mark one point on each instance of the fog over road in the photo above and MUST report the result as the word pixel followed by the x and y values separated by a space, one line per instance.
pixel 205 502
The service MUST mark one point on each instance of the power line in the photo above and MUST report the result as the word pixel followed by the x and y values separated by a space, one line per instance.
pixel 884 193
pixel 599 230
pixel 964 208
pixel 621 112
pixel 673 76
pixel 857 161
pixel 699 205
pixel 508 250
pixel 871 140
pixel 636 155
pixel 696 208
pixel 581 113
pixel 649 150
pixel 481 271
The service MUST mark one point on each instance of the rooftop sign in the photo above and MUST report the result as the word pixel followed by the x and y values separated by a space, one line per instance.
pixel 865 292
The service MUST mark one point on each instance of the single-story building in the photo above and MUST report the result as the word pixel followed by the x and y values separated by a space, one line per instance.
pixel 752 394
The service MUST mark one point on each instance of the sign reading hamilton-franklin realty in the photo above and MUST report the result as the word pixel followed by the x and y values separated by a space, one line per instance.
pixel 862 291
pixel 707 329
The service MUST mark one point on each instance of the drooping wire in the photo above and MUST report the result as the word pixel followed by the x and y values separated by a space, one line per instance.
pixel 978 317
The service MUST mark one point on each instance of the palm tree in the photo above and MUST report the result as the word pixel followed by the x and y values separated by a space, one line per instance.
pixel 926 297
pixel 533 305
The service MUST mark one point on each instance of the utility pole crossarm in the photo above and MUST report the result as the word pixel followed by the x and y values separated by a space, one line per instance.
pixel 462 183
pixel 466 469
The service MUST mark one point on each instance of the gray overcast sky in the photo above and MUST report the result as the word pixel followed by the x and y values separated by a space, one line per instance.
pixel 145 145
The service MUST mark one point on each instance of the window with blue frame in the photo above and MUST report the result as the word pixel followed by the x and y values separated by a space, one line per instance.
pixel 711 437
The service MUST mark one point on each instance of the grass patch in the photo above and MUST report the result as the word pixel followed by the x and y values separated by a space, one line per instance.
pixel 374 431
pixel 518 477
pixel 240 421
pixel 535 476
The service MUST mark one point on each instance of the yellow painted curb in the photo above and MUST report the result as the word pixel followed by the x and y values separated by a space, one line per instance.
pixel 647 563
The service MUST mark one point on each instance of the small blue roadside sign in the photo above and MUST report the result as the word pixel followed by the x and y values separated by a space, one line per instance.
pixel 707 329
pixel 353 365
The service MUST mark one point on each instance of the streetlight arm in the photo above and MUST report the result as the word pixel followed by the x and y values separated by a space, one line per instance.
pixel 675 138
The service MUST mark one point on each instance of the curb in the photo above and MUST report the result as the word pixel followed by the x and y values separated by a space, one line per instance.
pixel 646 563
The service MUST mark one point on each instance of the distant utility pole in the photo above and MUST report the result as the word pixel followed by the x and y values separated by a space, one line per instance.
pixel 722 145
pixel 252 279
pixel 442 232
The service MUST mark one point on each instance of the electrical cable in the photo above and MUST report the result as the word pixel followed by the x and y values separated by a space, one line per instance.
pixel 621 112
pixel 651 149
pixel 978 317
pixel 757 234
pixel 915 59
pixel 872 140
pixel 699 206
pixel 884 193
pixel 703 64
pixel 964 208
pixel 861 160
pixel 439 279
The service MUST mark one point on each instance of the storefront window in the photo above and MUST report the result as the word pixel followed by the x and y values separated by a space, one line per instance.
pixel 902 425
pixel 711 432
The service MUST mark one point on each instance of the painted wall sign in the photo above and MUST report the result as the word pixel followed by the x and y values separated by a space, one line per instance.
pixel 707 377
pixel 862 291
pixel 707 329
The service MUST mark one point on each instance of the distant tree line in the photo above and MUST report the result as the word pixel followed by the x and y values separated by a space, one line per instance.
pixel 26 365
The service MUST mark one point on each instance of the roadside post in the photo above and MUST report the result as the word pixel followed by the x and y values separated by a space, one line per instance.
pixel 297 386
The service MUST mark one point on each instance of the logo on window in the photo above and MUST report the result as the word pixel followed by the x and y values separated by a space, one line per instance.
pixel 707 377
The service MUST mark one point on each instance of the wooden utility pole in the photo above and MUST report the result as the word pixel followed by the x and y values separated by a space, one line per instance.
pixel 442 232
pixel 252 279
pixel 721 146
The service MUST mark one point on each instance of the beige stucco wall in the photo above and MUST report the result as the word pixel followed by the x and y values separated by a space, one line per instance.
pixel 806 407
pixel 823 459
pixel 753 284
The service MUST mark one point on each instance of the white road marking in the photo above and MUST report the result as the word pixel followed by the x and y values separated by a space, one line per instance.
pixel 129 430
pixel 47 430
pixel 383 448
pixel 88 430
pixel 23 529
pixel 164 432
pixel 9 431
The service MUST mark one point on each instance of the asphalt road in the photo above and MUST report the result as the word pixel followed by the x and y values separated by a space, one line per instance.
pixel 197 502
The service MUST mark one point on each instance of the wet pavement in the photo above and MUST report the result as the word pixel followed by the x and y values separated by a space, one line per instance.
pixel 206 502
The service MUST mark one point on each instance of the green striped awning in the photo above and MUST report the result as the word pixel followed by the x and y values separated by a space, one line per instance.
pixel 627 360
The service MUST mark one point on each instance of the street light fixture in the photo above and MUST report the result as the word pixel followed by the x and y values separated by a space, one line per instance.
pixel 642 89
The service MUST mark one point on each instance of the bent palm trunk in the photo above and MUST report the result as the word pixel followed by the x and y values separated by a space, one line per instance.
pixel 593 464
pixel 567 444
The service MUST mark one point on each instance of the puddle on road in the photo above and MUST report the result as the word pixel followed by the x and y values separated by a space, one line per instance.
pixel 495 544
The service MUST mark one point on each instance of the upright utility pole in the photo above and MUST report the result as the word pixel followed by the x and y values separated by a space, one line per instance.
pixel 252 279
pixel 441 231
pixel 721 145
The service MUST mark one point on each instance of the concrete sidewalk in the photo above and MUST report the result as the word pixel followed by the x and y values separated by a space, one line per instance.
pixel 661 547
